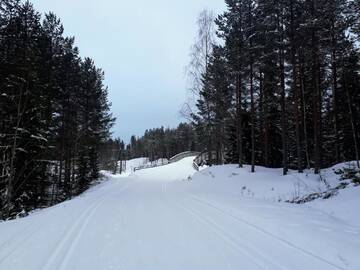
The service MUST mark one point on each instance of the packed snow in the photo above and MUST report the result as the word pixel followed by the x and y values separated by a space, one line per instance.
pixel 173 217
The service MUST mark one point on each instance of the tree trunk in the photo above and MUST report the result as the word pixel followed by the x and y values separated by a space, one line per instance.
pixel 121 161
pixel 11 181
pixel 252 118
pixel 283 99
pixel 239 120
pixel 266 124
pixel 303 110
pixel 295 89
pixel 352 124
pixel 317 94
pixel 252 99
pixel 334 94
pixel 261 109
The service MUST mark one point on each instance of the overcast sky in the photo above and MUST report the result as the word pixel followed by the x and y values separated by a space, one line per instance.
pixel 142 46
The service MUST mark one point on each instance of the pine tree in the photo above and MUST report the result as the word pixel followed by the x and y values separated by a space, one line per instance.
pixel 40 120
pixel 286 63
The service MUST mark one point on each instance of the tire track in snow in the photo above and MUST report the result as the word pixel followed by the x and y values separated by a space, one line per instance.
pixel 267 233
pixel 254 255
pixel 76 229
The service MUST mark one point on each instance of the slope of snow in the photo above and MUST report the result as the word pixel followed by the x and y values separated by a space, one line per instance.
pixel 180 170
pixel 270 185
pixel 344 206
pixel 155 220
pixel 131 164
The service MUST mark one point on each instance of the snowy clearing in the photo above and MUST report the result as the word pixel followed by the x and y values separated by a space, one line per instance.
pixel 224 218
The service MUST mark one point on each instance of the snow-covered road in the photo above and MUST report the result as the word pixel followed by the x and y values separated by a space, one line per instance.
pixel 154 220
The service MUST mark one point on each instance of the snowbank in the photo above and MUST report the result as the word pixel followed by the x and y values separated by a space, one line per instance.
pixel 270 185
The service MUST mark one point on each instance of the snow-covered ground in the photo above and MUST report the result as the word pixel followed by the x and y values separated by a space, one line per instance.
pixel 219 218
pixel 269 185
pixel 131 164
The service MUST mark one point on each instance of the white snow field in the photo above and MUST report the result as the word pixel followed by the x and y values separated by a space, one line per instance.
pixel 157 219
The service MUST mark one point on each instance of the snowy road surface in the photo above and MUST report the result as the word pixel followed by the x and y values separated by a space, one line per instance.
pixel 154 220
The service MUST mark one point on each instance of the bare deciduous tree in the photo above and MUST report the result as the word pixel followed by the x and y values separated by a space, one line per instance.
pixel 199 58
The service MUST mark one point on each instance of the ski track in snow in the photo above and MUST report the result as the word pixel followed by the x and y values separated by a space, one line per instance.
pixel 16 242
pixel 263 231
pixel 156 219
pixel 73 235
pixel 258 259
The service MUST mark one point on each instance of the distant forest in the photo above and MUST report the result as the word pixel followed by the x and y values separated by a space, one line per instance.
pixel 54 112
pixel 157 143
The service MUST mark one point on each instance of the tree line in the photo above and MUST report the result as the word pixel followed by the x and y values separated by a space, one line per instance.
pixel 155 144
pixel 277 83
pixel 54 112
pixel 163 142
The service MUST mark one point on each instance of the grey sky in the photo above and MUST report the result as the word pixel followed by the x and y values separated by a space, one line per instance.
pixel 142 46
